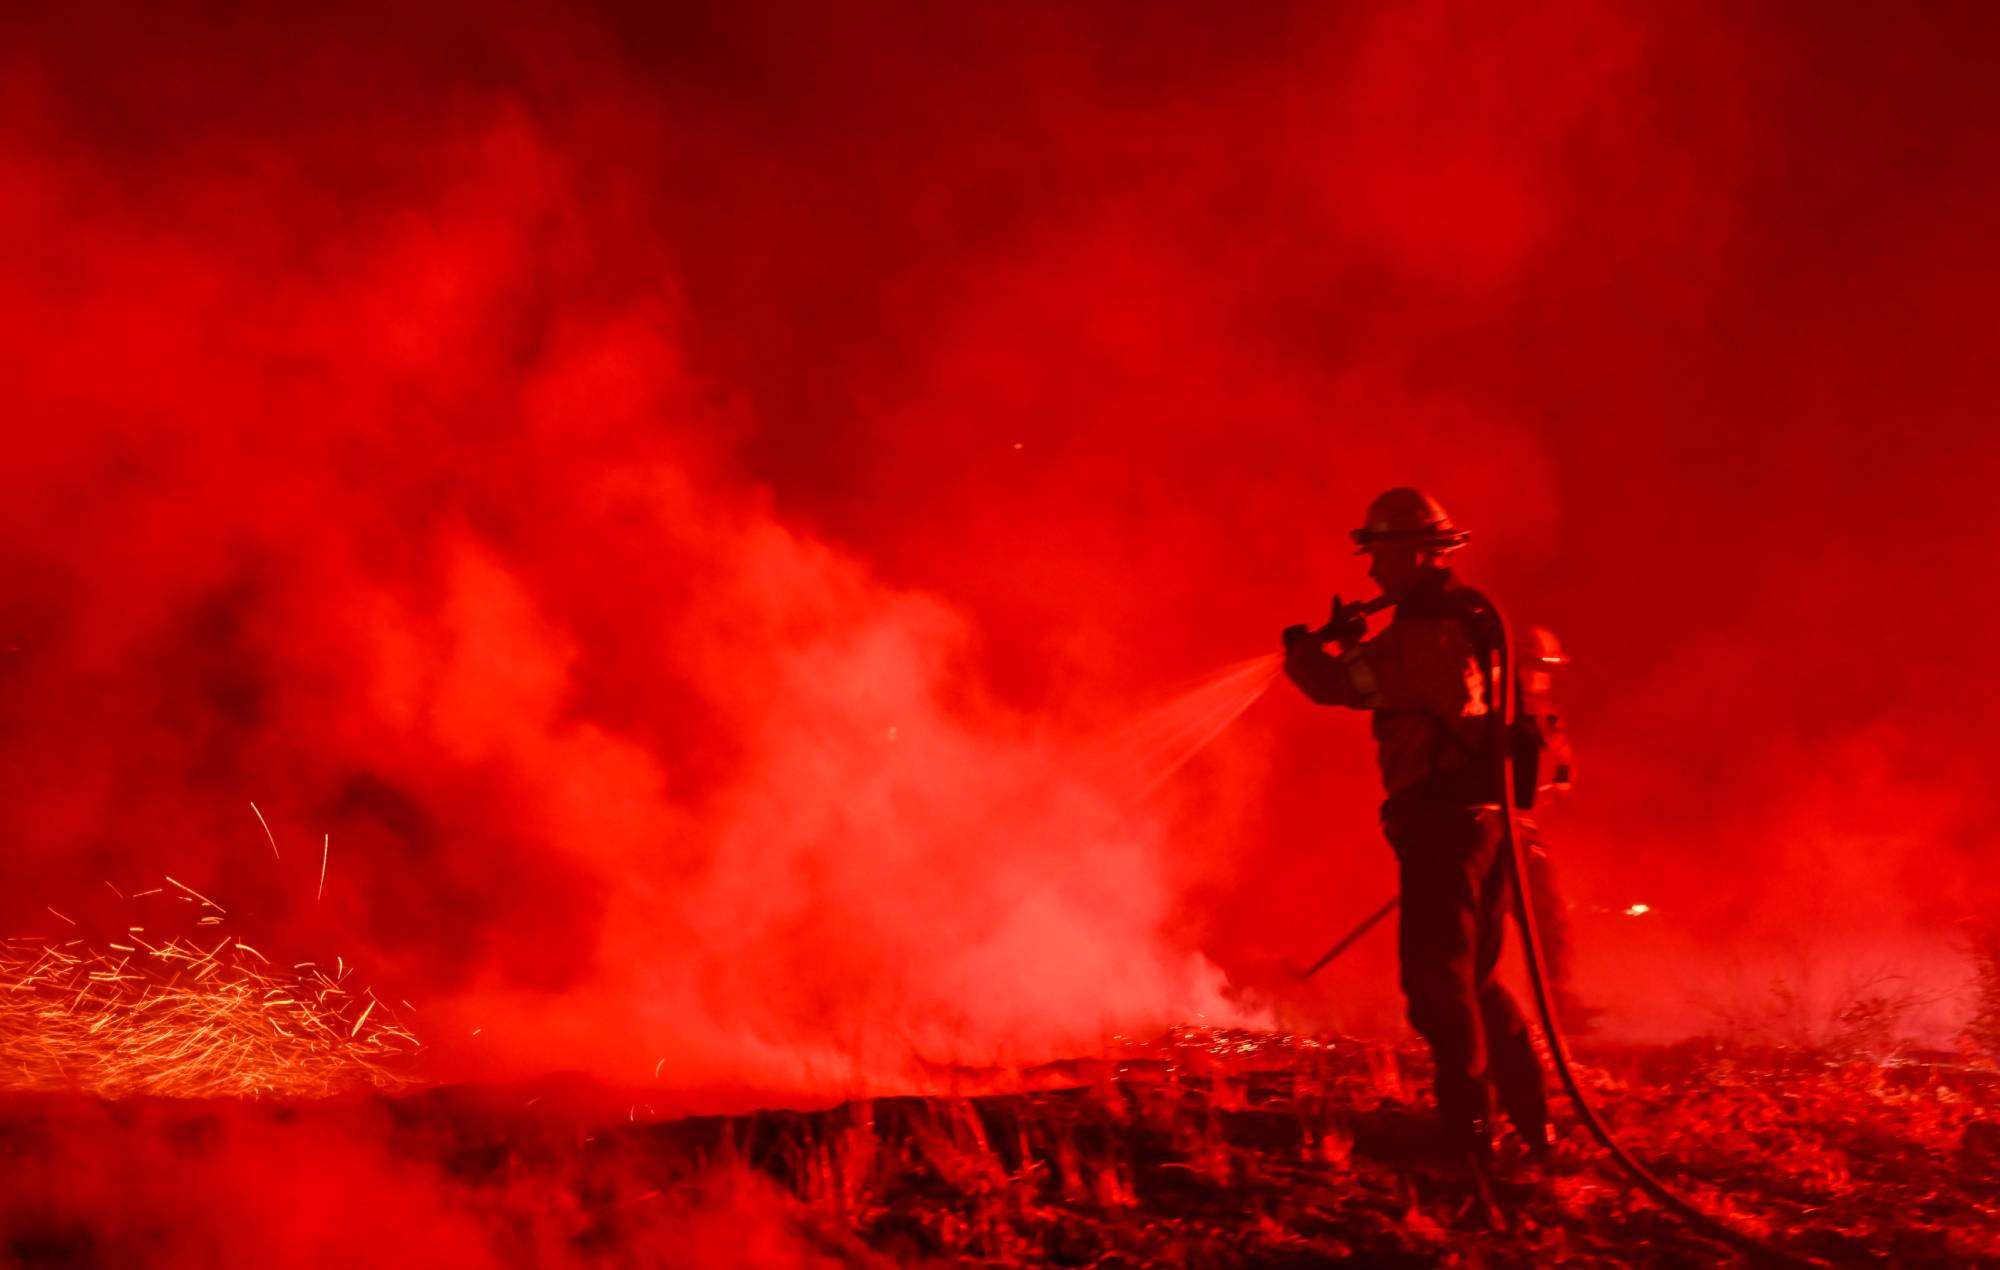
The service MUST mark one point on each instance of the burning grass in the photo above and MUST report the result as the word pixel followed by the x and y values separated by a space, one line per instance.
pixel 197 1015
pixel 1204 1149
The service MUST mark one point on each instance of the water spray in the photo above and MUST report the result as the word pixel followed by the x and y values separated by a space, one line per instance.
pixel 1140 755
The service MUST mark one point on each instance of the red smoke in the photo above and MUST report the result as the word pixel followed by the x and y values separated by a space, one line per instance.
pixel 661 491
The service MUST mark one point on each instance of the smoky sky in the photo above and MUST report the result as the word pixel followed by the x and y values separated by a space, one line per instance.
pixel 665 495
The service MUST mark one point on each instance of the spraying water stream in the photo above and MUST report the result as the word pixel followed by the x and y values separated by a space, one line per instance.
pixel 1136 758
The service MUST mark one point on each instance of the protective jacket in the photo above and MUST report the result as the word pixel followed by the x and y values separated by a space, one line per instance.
pixel 1425 679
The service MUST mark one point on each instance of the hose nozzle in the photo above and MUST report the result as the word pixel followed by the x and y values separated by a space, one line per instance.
pixel 1344 613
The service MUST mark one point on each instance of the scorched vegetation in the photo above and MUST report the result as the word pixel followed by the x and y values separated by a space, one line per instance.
pixel 1205 1149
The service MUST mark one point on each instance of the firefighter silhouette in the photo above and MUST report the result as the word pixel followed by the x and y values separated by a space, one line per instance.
pixel 1424 680
pixel 1543 763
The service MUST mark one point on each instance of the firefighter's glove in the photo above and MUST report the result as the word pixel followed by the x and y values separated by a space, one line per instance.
pixel 1296 634
pixel 1347 626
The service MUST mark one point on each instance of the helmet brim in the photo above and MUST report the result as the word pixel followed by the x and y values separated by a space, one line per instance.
pixel 1449 540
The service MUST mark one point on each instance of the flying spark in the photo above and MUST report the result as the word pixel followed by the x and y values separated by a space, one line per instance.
pixel 172 1019
pixel 269 836
pixel 196 894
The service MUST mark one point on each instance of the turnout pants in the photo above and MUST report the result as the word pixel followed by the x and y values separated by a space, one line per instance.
pixel 1456 897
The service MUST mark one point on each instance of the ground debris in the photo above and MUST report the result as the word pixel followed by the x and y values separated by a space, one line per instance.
pixel 1209 1149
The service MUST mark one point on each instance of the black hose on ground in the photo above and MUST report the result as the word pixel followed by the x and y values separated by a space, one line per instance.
pixel 1502 706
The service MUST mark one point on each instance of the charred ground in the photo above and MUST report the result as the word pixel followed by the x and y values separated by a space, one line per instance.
pixel 1203 1149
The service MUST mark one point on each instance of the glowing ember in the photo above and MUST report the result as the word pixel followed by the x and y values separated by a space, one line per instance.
pixel 268 835
pixel 182 1020
pixel 1638 910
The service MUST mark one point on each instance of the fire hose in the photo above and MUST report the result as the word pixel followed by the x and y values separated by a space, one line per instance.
pixel 1524 917
pixel 1501 682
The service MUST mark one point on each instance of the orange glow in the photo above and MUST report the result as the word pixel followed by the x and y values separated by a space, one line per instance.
pixel 179 1019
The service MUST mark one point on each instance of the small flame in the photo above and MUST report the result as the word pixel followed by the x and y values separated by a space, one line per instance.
pixel 1638 910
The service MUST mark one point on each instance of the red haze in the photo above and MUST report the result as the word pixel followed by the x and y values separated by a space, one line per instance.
pixel 658 488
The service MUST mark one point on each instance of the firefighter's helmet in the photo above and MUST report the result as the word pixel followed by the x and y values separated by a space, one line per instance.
pixel 1544 647
pixel 1541 655
pixel 1543 757
pixel 1405 515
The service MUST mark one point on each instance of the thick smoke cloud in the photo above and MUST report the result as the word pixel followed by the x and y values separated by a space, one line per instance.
pixel 660 493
